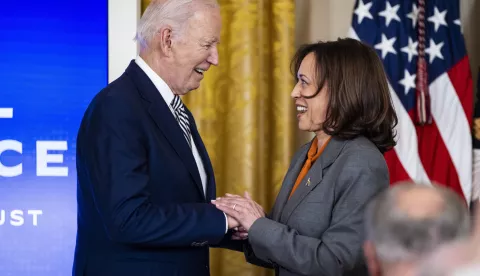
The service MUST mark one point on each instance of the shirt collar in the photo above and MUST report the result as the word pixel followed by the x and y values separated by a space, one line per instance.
pixel 159 83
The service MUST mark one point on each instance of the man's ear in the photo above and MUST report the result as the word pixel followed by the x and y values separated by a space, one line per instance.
pixel 371 258
pixel 163 40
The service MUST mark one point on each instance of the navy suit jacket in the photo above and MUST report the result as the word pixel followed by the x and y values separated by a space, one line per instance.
pixel 141 205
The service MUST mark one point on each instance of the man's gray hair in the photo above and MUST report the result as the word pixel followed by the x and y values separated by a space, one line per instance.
pixel 174 13
pixel 400 237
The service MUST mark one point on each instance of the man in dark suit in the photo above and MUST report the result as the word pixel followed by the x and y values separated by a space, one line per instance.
pixel 145 180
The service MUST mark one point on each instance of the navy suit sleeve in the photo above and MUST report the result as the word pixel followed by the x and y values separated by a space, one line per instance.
pixel 115 157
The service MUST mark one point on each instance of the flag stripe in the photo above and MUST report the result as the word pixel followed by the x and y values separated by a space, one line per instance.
pixel 436 158
pixel 395 167
pixel 454 129
pixel 407 143
pixel 461 79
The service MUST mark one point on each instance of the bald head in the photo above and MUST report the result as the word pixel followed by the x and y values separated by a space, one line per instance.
pixel 409 220
pixel 419 201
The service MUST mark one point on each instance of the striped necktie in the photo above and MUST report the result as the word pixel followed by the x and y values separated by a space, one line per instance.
pixel 182 118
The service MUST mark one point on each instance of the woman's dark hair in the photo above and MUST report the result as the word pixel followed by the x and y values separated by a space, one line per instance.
pixel 359 97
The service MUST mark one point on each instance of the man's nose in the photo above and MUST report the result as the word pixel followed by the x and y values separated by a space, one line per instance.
pixel 213 57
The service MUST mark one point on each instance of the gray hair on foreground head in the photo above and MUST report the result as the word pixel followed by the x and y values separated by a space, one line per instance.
pixel 399 236
pixel 174 13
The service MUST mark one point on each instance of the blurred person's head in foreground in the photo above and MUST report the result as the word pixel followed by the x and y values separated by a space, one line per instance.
pixel 459 258
pixel 408 221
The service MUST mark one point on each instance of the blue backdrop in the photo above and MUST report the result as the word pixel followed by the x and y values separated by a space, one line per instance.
pixel 53 60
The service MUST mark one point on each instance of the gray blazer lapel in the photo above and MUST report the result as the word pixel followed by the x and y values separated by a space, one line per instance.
pixel 288 183
pixel 313 177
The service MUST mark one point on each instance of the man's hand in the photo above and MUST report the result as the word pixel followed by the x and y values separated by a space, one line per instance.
pixel 232 223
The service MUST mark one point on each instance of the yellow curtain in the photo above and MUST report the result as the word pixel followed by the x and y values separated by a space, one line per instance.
pixel 244 111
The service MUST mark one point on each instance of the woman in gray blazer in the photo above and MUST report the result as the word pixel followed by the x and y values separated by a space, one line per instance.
pixel 316 224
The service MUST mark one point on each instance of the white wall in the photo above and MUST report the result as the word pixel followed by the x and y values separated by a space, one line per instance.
pixel 123 16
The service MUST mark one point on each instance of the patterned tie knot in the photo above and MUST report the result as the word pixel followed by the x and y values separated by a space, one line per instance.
pixel 177 103
pixel 182 118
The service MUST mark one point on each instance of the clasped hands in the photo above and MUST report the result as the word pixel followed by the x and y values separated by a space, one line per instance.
pixel 241 213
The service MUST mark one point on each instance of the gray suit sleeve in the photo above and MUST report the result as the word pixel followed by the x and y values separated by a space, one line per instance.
pixel 242 246
pixel 339 248
pixel 251 258
pixel 250 255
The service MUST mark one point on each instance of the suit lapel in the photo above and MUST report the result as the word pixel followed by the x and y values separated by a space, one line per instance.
pixel 205 158
pixel 287 184
pixel 313 177
pixel 164 119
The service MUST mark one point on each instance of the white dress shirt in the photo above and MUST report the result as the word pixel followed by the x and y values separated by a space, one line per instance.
pixel 167 96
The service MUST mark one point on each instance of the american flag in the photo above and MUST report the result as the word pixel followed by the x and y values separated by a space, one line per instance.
pixel 406 33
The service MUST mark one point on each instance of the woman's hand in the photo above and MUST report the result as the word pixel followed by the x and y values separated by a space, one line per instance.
pixel 243 209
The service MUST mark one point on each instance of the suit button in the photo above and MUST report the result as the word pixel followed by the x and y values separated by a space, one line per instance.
pixel 206 267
